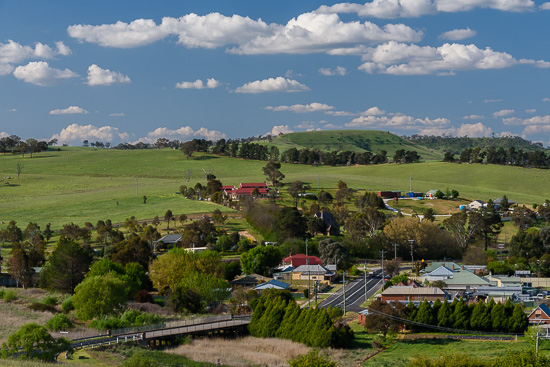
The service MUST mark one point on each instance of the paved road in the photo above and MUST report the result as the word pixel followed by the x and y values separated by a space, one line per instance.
pixel 355 293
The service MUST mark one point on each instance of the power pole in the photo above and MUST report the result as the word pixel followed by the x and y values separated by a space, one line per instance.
pixel 306 246
pixel 382 253
pixel 395 246
pixel 136 187
pixel 344 273
pixel 412 254
pixel 366 282
pixel 410 182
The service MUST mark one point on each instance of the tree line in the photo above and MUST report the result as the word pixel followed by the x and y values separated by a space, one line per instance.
pixel 276 314
pixel 493 155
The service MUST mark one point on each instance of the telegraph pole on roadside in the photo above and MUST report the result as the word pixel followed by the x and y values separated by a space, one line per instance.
pixel 382 253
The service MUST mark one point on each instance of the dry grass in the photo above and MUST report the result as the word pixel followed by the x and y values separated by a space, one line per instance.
pixel 15 315
pixel 243 352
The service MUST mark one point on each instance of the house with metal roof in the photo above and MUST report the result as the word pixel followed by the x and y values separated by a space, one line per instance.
pixel 413 294
pixel 540 315
pixel 272 284
pixel 313 272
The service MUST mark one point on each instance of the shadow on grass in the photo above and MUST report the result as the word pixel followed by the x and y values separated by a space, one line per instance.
pixel 205 157
pixel 430 341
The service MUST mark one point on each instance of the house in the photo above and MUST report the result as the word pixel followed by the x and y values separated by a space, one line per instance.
pixel 465 281
pixel 441 273
pixel 195 250
pixel 301 259
pixel 251 280
pixel 498 202
pixel 170 239
pixel 412 294
pixel 313 272
pixel 448 264
pixel 247 189
pixel 410 283
pixel 477 204
pixel 540 315
pixel 389 194
pixel 272 284
pixel 431 194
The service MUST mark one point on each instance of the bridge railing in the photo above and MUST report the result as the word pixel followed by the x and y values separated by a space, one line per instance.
pixel 173 324
pixel 189 329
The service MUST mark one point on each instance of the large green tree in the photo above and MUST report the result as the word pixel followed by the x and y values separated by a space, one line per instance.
pixel 99 296
pixel 272 172
pixel 260 260
pixel 67 266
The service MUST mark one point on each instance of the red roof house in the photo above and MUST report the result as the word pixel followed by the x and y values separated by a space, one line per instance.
pixel 301 259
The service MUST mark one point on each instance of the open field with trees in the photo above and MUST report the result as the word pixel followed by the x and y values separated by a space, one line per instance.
pixel 83 184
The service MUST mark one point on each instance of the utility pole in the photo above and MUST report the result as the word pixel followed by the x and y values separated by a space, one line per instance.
pixel 395 246
pixel 306 246
pixel 136 187
pixel 382 253
pixel 412 255
pixel 366 281
pixel 344 273
pixel 410 182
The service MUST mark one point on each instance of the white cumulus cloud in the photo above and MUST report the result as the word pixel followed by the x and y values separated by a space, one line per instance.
pixel 307 33
pixel 473 117
pixel 300 108
pixel 99 76
pixel 69 111
pixel 471 130
pixel 278 84
pixel 211 83
pixel 280 129
pixel 397 121
pixel 373 111
pixel 76 133
pixel 546 99
pixel 15 53
pixel 314 32
pixel 183 133
pixel 140 32
pixel 117 114
pixel 531 110
pixel 545 6
pixel 40 73
pixel 503 113
pixel 339 70
pixel 404 59
pixel 417 8
pixel 458 34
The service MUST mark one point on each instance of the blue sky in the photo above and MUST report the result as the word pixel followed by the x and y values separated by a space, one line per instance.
pixel 125 71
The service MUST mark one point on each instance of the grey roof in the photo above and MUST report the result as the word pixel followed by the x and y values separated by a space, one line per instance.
pixel 412 291
pixel 170 238
pixel 311 269
pixel 277 284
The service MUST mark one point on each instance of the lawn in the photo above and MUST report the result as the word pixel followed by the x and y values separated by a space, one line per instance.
pixel 86 184
pixel 403 351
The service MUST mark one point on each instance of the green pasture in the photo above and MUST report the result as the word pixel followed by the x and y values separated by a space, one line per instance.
pixel 85 184
pixel 403 351
pixel 353 140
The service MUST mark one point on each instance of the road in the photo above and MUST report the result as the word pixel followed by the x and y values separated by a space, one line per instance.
pixel 355 293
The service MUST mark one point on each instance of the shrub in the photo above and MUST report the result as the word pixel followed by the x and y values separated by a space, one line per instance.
pixel 37 306
pixel 59 322
pixel 312 359
pixel 2 293
pixel 50 300
pixel 130 318
pixel 67 305
pixel 9 295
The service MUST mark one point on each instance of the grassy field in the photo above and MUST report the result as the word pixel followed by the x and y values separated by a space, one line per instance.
pixel 353 140
pixel 403 351
pixel 84 184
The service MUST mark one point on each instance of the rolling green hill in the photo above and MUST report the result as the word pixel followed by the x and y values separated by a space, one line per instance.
pixel 353 140
pixel 79 185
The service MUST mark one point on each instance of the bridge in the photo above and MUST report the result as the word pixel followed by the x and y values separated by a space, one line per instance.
pixel 152 335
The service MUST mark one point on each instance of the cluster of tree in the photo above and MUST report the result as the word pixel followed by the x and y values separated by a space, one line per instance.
pixel 96 144
pixel 466 226
pixel 492 317
pixel 332 158
pixel 403 156
pixel 33 341
pixel 15 144
pixel 276 314
pixel 458 144
pixel 511 156
pixel 192 282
